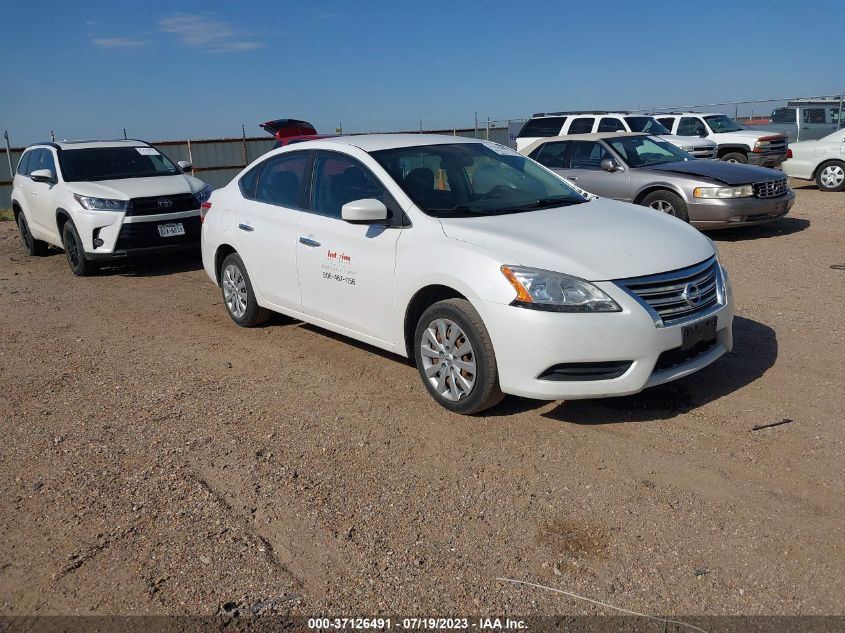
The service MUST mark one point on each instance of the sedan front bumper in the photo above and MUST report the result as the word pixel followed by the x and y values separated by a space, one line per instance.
pixel 720 214
pixel 528 343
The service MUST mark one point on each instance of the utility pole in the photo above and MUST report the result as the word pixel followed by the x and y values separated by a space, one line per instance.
pixel 9 155
pixel 487 136
pixel 246 153
pixel 52 136
pixel 476 125
pixel 124 134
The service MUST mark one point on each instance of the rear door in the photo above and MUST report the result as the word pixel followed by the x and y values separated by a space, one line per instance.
pixel 346 271
pixel 584 169
pixel 612 124
pixel 814 124
pixel 266 225
pixel 581 125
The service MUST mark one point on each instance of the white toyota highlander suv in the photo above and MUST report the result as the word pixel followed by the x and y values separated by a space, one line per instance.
pixel 486 268
pixel 101 200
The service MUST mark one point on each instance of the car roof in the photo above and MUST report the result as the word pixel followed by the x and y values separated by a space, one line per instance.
pixel 92 144
pixel 579 137
pixel 376 142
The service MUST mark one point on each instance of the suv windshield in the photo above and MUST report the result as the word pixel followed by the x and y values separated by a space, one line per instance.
pixel 114 163
pixel 646 124
pixel 644 151
pixel 467 179
pixel 721 123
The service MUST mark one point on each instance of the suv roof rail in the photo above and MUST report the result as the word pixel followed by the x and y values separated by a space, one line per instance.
pixel 47 143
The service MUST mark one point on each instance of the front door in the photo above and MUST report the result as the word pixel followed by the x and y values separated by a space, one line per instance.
pixel 346 271
pixel 584 169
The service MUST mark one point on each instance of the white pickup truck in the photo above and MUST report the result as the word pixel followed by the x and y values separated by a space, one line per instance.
pixel 737 144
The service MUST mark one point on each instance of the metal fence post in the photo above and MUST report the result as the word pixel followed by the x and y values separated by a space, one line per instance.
pixel 840 122
pixel 9 154
pixel 191 157
pixel 246 153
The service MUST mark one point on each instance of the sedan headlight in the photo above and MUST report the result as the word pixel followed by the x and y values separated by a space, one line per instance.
pixel 101 204
pixel 203 195
pixel 745 191
pixel 545 290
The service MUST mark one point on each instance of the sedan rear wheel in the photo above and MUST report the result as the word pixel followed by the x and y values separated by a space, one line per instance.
pixel 831 176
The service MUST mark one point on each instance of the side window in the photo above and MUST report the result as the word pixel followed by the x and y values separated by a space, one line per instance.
pixel 551 155
pixel 280 180
pixel 47 161
pixel 587 155
pixel 339 179
pixel 783 115
pixel 249 181
pixel 667 122
pixel 40 159
pixel 583 125
pixel 691 126
pixel 611 124
pixel 545 126
pixel 813 115
pixel 22 165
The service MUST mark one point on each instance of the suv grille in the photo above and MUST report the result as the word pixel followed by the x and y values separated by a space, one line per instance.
pixel 159 204
pixel 679 295
pixel 770 189
pixel 145 234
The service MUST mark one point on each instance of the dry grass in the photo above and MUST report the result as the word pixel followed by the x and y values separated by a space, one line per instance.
pixel 6 214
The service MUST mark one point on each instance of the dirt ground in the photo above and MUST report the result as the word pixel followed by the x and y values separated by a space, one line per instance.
pixel 156 459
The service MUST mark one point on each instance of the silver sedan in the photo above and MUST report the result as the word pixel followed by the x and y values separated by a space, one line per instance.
pixel 647 170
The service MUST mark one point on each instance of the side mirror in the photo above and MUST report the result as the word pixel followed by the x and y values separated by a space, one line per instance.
pixel 366 211
pixel 43 175
pixel 185 165
pixel 609 164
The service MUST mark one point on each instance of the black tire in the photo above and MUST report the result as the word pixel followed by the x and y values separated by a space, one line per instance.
pixel 75 252
pixel 242 305
pixel 838 167
pixel 32 246
pixel 484 391
pixel 735 157
pixel 667 202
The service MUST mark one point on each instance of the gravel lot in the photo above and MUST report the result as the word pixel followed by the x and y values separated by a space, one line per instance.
pixel 157 459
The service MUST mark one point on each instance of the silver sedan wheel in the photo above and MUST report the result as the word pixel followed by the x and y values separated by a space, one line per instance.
pixel 448 359
pixel 234 291
pixel 664 206
pixel 832 176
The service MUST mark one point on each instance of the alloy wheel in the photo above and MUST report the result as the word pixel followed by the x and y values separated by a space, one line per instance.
pixel 234 291
pixel 448 359
pixel 663 206
pixel 832 176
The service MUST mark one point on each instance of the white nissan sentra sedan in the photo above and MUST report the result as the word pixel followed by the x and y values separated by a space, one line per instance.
pixel 490 271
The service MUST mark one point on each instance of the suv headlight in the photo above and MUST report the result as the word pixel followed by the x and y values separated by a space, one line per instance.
pixel 203 194
pixel 101 204
pixel 556 292
pixel 745 191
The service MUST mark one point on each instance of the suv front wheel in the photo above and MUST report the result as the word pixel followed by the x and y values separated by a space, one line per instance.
pixel 79 264
pixel 455 357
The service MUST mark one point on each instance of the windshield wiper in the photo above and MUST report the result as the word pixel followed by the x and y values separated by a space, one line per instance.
pixel 458 208
pixel 547 203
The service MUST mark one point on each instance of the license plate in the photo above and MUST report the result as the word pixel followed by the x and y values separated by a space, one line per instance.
pixel 694 334
pixel 169 230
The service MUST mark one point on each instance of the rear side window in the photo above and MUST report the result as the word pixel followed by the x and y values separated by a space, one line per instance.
pixel 611 124
pixel 547 126
pixel 280 180
pixel 691 126
pixel 783 115
pixel 551 155
pixel 22 165
pixel 583 125
pixel 813 115
pixel 249 181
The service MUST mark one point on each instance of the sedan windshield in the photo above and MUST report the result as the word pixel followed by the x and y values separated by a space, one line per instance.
pixel 644 151
pixel 467 179
pixel 114 163
pixel 720 123
pixel 646 124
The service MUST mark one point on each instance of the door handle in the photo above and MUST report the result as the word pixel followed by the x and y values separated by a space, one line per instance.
pixel 245 227
pixel 309 242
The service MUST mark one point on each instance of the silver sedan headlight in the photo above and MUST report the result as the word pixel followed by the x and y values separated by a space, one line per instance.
pixel 745 191
pixel 545 290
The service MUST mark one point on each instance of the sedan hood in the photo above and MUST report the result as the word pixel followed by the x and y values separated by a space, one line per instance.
pixel 128 188
pixel 596 241
pixel 728 173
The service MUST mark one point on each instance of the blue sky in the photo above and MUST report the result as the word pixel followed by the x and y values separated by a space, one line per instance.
pixel 201 69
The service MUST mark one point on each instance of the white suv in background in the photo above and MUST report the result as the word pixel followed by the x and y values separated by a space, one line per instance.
pixel 101 200
pixel 546 124
pixel 737 144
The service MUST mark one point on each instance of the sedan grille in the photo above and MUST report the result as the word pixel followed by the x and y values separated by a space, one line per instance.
pixel 679 295
pixel 163 204
pixel 770 189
